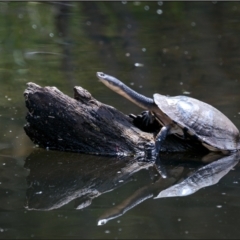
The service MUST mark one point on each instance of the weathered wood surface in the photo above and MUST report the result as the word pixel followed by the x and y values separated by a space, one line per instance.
pixel 83 124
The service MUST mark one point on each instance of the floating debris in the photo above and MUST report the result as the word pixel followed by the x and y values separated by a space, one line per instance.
pixel 146 7
pixel 138 64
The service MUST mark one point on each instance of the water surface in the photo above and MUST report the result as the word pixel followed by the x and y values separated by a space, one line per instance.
pixel 173 48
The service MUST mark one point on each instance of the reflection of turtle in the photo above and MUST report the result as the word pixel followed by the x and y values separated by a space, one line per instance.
pixel 182 116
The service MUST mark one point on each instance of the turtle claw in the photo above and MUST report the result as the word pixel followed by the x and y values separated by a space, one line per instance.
pixel 147 117
pixel 150 151
pixel 145 121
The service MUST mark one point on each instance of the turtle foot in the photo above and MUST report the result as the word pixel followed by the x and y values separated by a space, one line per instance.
pixel 147 117
pixel 150 151
pixel 152 154
pixel 145 121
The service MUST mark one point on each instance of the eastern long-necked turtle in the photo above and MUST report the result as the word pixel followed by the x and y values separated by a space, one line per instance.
pixel 182 115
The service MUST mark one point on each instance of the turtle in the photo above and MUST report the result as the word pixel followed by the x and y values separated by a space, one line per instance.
pixel 182 116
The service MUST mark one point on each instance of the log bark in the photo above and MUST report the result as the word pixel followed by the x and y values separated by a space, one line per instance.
pixel 83 124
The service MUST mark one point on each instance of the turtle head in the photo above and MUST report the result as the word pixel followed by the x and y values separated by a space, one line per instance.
pixel 123 90
pixel 111 82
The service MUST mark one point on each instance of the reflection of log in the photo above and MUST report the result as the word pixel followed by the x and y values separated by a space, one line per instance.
pixel 57 178
pixel 83 124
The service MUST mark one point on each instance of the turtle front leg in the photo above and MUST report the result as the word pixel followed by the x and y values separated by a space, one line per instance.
pixel 152 150
pixel 161 136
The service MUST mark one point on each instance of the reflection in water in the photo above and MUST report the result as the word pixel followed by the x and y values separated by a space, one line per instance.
pixel 58 178
pixel 192 47
pixel 203 177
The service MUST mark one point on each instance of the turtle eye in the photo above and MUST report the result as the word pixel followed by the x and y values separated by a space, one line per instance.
pixel 100 74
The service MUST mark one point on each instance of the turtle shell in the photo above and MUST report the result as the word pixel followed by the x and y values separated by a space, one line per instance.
pixel 211 126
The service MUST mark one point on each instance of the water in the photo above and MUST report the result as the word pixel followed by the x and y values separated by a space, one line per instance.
pixel 173 48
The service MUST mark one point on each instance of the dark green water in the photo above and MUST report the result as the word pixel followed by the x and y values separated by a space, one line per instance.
pixel 172 48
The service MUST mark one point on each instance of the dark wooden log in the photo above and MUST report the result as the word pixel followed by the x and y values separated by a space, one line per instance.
pixel 83 124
